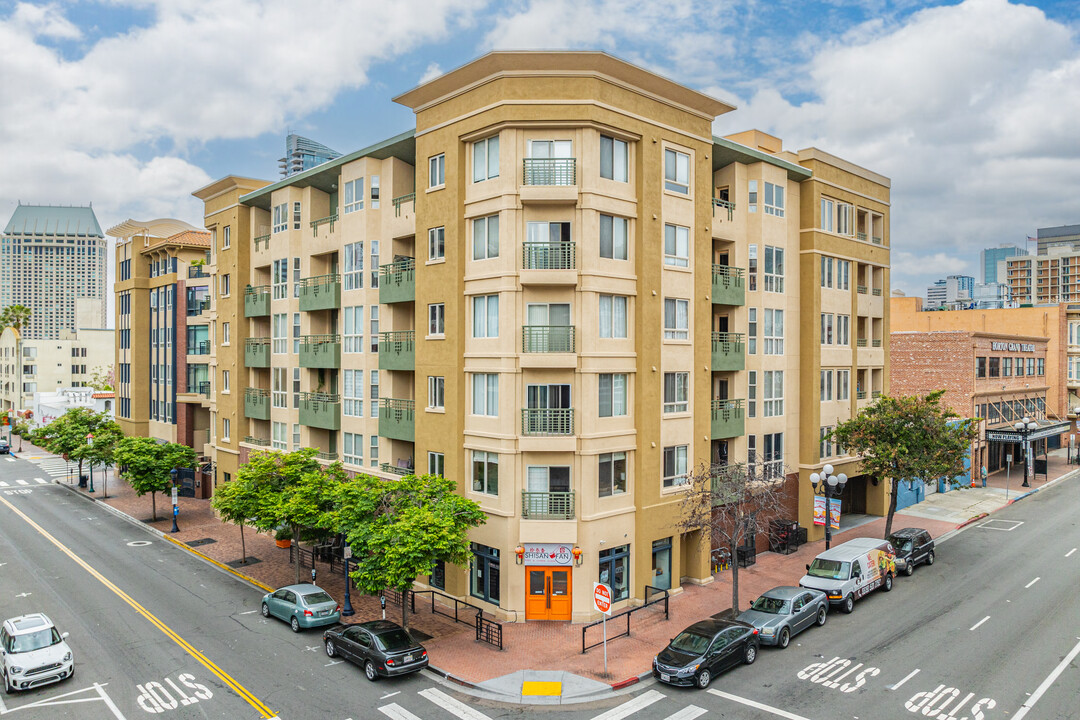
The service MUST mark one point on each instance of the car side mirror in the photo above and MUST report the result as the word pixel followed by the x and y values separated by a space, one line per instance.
pixel 63 635
pixel 808 567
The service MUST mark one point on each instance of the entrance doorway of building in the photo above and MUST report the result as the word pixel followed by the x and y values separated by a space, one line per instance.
pixel 549 595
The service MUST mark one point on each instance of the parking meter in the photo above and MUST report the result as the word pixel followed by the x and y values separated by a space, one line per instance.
pixel 312 576
pixel 382 603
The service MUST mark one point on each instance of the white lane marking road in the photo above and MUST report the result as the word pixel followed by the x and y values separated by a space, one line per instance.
pixel 396 712
pixel 1070 552
pixel 4 484
pixel 687 713
pixel 760 706
pixel 22 482
pixel 390 695
pixel 1031 583
pixel 41 481
pixel 979 623
pixel 631 706
pixel 907 677
pixel 1047 683
pixel 452 706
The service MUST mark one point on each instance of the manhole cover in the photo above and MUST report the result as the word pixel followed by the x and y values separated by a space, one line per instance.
pixel 197 543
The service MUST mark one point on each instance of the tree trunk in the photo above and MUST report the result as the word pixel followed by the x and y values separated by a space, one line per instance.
pixel 734 580
pixel 243 548
pixel 296 565
pixel 20 442
pixel 404 610
pixel 892 508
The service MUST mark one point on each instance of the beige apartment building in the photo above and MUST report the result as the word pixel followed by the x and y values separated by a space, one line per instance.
pixel 47 365
pixel 570 297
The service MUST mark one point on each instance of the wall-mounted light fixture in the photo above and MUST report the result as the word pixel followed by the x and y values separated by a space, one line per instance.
pixel 577 555
pixel 519 554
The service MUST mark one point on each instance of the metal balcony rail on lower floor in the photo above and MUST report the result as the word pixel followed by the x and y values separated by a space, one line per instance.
pixel 861 289
pixel 401 200
pixel 549 255
pixel 724 205
pixel 198 307
pixel 550 171
pixel 547 339
pixel 547 505
pixel 395 470
pixel 261 442
pixel 263 240
pixel 727 409
pixel 197 271
pixel 547 421
pixel 397 272
pixel 328 220
pixel 326 456
pixel 201 347
pixel 204 388
pixel 317 399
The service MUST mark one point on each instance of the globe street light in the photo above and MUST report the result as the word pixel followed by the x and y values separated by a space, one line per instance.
pixel 90 442
pixel 832 485
pixel 1025 427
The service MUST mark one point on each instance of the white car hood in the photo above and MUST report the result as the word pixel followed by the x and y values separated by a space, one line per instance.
pixel 819 583
pixel 37 658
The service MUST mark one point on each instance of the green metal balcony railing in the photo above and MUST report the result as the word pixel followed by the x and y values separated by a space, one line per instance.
pixel 549 255
pixel 261 442
pixel 198 307
pixel 328 220
pixel 320 410
pixel 728 351
pixel 257 403
pixel 397 281
pixel 875 291
pixel 320 351
pixel 876 343
pixel 728 285
pixel 397 419
pixel 257 352
pixel 728 419
pixel 861 236
pixel 257 301
pixel 197 271
pixel 724 205
pixel 397 350
pixel 876 239
pixel 401 200
pixel 547 421
pixel 395 470
pixel 329 456
pixel 550 171
pixel 263 240
pixel 547 339
pixel 321 292
pixel 547 505
pixel 861 289
pixel 860 395
pixel 861 342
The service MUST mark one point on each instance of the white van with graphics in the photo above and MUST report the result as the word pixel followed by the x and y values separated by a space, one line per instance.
pixel 848 571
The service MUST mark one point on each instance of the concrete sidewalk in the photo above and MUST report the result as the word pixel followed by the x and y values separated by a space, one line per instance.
pixel 542 657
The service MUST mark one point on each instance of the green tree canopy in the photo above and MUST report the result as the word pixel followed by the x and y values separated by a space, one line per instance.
pixel 147 464
pixel 101 379
pixel 15 316
pixel 22 429
pixel 908 438
pixel 66 436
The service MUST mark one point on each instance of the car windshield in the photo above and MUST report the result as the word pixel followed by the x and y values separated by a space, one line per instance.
pixel 34 641
pixel 691 643
pixel 316 598
pixel 773 606
pixel 394 640
pixel 831 569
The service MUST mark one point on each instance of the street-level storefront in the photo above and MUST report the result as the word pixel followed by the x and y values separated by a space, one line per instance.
pixel 1007 442
pixel 549 584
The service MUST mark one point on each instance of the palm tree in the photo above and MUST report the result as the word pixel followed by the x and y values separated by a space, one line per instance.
pixel 15 316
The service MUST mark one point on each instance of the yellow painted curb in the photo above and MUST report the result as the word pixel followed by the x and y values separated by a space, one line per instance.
pixel 538 687
pixel 224 567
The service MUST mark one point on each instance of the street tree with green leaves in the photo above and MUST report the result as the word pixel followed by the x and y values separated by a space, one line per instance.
pixel 66 436
pixel 398 529
pixel 101 379
pixel 147 464
pixel 908 438
pixel 22 429
pixel 237 502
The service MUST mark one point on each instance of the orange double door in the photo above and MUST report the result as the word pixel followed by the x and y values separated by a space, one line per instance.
pixel 548 593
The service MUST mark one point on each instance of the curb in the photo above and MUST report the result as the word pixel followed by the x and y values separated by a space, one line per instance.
pixel 633 680
pixel 976 518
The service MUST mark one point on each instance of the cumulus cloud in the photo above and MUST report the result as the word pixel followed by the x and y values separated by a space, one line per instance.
pixel 433 71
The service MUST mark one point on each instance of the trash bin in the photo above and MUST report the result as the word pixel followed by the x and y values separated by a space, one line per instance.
pixel 83 479
pixel 747 555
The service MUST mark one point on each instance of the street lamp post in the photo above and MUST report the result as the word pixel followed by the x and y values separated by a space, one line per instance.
pixel 1025 427
pixel 90 442
pixel 175 504
pixel 832 485
pixel 347 608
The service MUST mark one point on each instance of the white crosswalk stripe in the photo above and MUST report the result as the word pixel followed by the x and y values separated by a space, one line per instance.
pixel 56 467
pixel 453 706
pixel 396 712
pixel 687 713
pixel 10 459
pixel 630 707
pixel 3 484
pixel 41 481
pixel 22 482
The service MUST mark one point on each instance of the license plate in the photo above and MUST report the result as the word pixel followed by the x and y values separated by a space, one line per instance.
pixel 324 612
pixel 408 658
pixel 665 677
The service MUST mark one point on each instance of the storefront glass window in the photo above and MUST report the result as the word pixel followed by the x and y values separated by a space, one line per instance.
pixel 661 564
pixel 615 571
pixel 484 575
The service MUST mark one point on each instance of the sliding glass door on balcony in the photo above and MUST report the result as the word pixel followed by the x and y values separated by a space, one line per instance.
pixel 548 411
pixel 548 328
pixel 548 496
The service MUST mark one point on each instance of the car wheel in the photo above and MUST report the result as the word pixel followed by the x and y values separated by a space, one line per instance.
pixel 7 688
pixel 750 654
pixel 888 582
pixel 849 603
pixel 330 651
pixel 930 558
pixel 703 679
pixel 370 672
pixel 822 613
pixel 784 639
pixel 265 610
pixel 295 624
pixel 909 567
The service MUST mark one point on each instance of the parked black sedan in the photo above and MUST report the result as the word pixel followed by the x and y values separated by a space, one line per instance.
pixel 704 650
pixel 381 647
pixel 913 547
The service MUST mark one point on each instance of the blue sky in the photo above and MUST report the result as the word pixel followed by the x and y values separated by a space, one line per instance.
pixel 970 108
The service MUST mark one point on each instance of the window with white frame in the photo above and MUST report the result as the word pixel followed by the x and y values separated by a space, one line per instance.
pixel 373 397
pixel 485 159
pixel 374 328
pixel 374 264
pixel 295 391
pixel 225 381
pixel 436 319
pixel 843 384
pixel 827 320
pixel 225 334
pixel 281 279
pixel 281 218
pixel 436 243
pixel 353 449
pixel 825 449
pixel 373 451
pixel 279 436
pixel 486 316
pixel 773 271
pixel 676 319
pixel 613 322
pixel 485 472
pixel 614 232
pixel 826 272
pixel 675 465
pixel 296 277
pixel 751 393
pixel 280 333
pixel 485 389
pixel 354 329
pixel 352 399
pixel 296 215
pixel 375 190
pixel 436 385
pixel 295 437
pixel 296 333
pixel 436 463
pixel 226 238
pixel 843 274
pixel 612 394
pixel 752 196
pixel 751 267
pixel 676 171
pixel 826 385
pixel 614 159
pixel 612 474
pixel 774 199
pixel 773 455
pixel 226 285
pixel 354 266
pixel 676 245
pixel 751 331
pixel 354 195
pixel 828 215
pixel 773 393
pixel 486 237
pixel 437 171
pixel 773 334
pixel 843 327
pixel 845 213
pixel 676 392
pixel 279 394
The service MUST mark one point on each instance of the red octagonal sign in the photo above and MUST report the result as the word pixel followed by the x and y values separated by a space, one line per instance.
pixel 602 597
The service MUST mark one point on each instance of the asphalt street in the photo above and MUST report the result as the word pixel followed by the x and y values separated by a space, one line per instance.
pixel 993 627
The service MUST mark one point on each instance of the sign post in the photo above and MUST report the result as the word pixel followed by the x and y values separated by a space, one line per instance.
pixel 602 601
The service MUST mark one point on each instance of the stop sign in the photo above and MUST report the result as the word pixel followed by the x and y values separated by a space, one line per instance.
pixel 602 597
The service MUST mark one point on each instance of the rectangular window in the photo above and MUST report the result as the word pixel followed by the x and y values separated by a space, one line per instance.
pixel 375 192
pixel 751 267
pixel 486 237
pixel 436 319
pixel 354 266
pixel 774 331
pixel 980 367
pixel 296 277
pixel 280 436
pixel 226 238
pixel 675 465
pixel 844 214
pixel 435 392
pixel 773 386
pixel 435 463
pixel 677 171
pixel 224 333
pixel 436 243
pixel 226 429
pixel 437 171
pixel 843 384
pixel 843 329
pixel 353 450
pixel 1019 367
pixel 825 447
pixel 614 159
pixel 773 450
pixel 676 245
pixel 226 285
pixel 676 319
pixel 612 394
pixel 773 277
pixel 1031 366
pixel 374 264
pixel 826 328
pixel 375 328
pixel 280 331
pixel 826 385
pixel 774 199
pixel 295 392
pixel 281 217
pixel 994 367
pixel 373 451
pixel 486 316
pixel 279 395
pixel 613 316
pixel 354 328
pixel 828 214
pixel 752 192
pixel 1006 367
pixel 296 333
pixel 615 571
pixel 843 275
pixel 676 392
pixel 296 215
pixel 612 474
pixel 353 397
pixel 485 388
pixel 486 159
pixel 1042 367
pixel 751 393
pixel 224 381
pixel 485 472
pixel 751 331
pixel 373 398
pixel 354 195
pixel 614 232
pixel 281 279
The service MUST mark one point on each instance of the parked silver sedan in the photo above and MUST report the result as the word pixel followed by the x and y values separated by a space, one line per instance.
pixel 783 612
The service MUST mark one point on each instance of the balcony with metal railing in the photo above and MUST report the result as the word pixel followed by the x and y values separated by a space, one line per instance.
pixel 397 419
pixel 320 351
pixel 321 292
pixel 257 301
pixel 861 289
pixel 728 352
pixel 320 410
pixel 401 201
pixel 260 441
pixel 257 403
pixel 198 307
pixel 257 353
pixel 728 420
pixel 197 271
pixel 326 456
pixel 202 347
pixel 262 242
pixel 397 350
pixel 204 388
pixel 547 421
pixel 397 281
pixel 724 205
pixel 328 220
pixel 547 505
pixel 728 285
pixel 547 339
pixel 549 171
pixel 395 470
pixel 549 255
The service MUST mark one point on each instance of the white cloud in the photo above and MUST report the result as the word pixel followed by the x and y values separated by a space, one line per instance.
pixel 433 71
pixel 44 21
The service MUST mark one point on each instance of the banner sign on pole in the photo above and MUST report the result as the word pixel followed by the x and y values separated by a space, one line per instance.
pixel 819 510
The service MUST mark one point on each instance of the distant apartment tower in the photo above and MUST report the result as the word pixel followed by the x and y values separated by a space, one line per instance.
pixel 953 289
pixel 990 296
pixel 303 154
pixel 990 257
pixel 1042 279
pixel 52 260
pixel 1063 238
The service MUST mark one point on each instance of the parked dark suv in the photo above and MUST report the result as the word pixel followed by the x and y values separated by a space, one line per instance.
pixel 913 546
